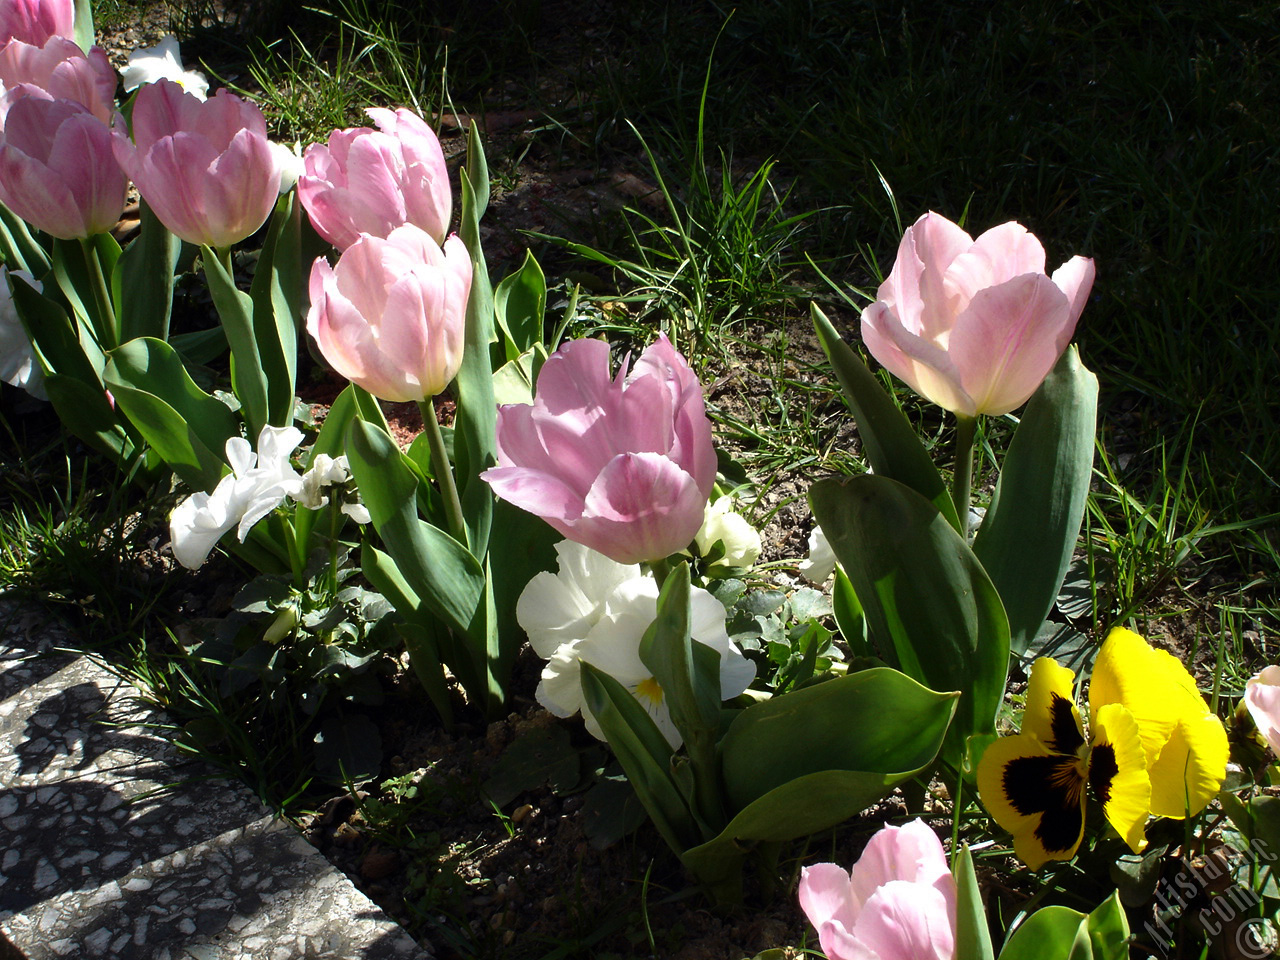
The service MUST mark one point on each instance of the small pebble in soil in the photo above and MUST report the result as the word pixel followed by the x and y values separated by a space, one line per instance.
pixel 521 813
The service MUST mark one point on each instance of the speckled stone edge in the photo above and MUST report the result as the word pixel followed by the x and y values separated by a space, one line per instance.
pixel 113 845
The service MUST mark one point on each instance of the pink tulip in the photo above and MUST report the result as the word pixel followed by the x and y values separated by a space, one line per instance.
pixel 57 170
pixel 623 466
pixel 372 181
pixel 35 21
pixel 59 70
pixel 898 902
pixel 390 316
pixel 974 325
pixel 1262 697
pixel 206 168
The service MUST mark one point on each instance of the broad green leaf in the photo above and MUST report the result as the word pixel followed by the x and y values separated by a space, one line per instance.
pixel 420 640
pixel 57 336
pixel 475 427
pixel 235 310
pixel 519 304
pixel 528 548
pixel 687 671
pixel 644 754
pixel 84 410
pixel 276 292
pixel 926 597
pixel 187 427
pixel 513 381
pixel 1109 930
pixel 200 346
pixel 849 614
pixel 1051 933
pixel 973 939
pixel 879 722
pixel 888 441
pixel 442 572
pixel 1030 530
pixel 142 281
pixel 18 247
pixel 83 25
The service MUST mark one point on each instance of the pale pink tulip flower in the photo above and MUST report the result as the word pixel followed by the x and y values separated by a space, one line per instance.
pixel 57 169
pixel 206 168
pixel 35 21
pixel 623 465
pixel 974 325
pixel 390 317
pixel 372 181
pixel 898 902
pixel 1262 697
pixel 59 70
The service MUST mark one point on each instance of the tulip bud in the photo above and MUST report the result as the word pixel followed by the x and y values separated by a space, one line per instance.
pixel 622 465
pixel 206 168
pixel 391 315
pixel 57 170
pixel 372 181
pixel 974 325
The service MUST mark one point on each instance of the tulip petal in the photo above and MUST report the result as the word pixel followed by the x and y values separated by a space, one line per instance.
pixel 907 921
pixel 825 895
pixel 1075 279
pixel 1262 699
pixel 997 256
pixel 916 285
pixel 639 507
pixel 1008 339
pixel 923 365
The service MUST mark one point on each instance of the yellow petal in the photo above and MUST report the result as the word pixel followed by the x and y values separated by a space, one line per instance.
pixel 1051 714
pixel 1037 795
pixel 1172 716
pixel 1190 769
pixel 1118 773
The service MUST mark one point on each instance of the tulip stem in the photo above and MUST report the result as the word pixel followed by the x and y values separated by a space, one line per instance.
pixel 966 427
pixel 443 470
pixel 108 336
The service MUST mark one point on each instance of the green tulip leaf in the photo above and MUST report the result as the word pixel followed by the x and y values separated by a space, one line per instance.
pixel 878 722
pixel 1027 538
pixel 83 409
pixel 475 426
pixel 142 281
pixel 889 443
pixel 83 25
pixel 442 572
pixel 1051 933
pixel 849 615
pixel 687 671
pixel 18 248
pixel 519 304
pixel 276 293
pixel 235 310
pixel 929 604
pixel 973 939
pixel 644 754
pixel 187 427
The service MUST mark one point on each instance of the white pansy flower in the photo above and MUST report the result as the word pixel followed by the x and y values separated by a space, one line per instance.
pixel 822 559
pixel 162 62
pixel 597 610
pixel 256 485
pixel 357 511
pixel 18 364
pixel 741 540
pixel 325 471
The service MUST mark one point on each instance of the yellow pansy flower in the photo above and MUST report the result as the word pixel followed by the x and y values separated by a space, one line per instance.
pixel 1154 748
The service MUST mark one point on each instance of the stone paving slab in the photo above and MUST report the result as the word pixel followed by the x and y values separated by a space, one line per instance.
pixel 99 858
